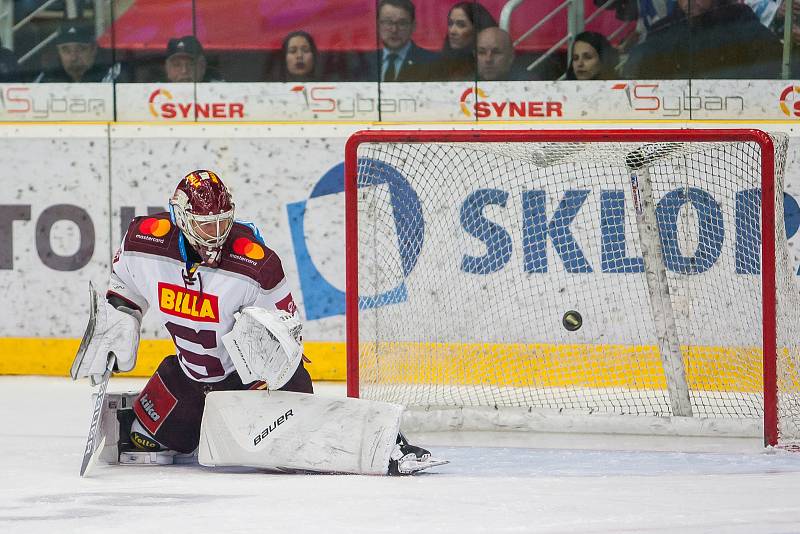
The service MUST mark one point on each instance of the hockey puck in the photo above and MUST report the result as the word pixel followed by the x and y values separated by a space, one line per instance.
pixel 572 320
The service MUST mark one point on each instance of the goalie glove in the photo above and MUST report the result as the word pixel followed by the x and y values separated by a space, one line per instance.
pixel 110 330
pixel 265 345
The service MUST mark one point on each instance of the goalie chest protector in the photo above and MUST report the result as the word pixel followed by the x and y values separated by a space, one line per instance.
pixel 198 310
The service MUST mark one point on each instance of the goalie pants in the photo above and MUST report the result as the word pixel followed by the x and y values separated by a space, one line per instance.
pixel 171 405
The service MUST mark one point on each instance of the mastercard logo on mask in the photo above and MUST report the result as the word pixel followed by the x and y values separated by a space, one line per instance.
pixel 155 227
pixel 247 248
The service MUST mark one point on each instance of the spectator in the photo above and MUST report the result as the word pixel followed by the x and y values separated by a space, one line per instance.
pixel 766 10
pixel 779 18
pixel 300 58
pixel 77 55
pixel 186 61
pixel 593 58
pixel 9 68
pixel 718 39
pixel 401 60
pixel 464 21
pixel 646 13
pixel 777 24
pixel 496 56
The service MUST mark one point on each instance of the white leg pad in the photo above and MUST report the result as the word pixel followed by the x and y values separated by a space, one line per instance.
pixel 109 427
pixel 298 431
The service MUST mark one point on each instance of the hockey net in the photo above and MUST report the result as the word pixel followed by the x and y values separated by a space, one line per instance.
pixel 467 250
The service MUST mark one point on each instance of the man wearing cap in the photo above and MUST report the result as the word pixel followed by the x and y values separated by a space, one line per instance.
pixel 186 61
pixel 77 54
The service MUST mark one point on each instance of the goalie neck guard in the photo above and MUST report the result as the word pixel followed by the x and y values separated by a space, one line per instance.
pixel 203 210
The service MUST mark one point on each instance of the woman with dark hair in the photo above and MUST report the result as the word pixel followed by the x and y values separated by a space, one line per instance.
pixel 593 58
pixel 299 58
pixel 464 21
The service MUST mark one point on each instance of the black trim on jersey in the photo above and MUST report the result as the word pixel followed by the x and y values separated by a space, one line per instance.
pixel 117 300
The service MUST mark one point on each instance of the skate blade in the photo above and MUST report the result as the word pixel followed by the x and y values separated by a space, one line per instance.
pixel 146 458
pixel 409 467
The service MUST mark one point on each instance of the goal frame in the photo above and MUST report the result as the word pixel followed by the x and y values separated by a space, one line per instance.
pixel 768 269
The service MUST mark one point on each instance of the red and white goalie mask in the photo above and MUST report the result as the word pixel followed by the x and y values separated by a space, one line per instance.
pixel 203 211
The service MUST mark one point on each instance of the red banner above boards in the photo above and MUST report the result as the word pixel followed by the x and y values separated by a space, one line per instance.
pixel 338 25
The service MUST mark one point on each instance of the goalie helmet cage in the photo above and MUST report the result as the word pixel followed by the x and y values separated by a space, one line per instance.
pixel 465 249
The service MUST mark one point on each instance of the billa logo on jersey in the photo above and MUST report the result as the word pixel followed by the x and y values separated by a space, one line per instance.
pixel 162 106
pixel 247 251
pixel 484 109
pixel 186 303
pixel 789 101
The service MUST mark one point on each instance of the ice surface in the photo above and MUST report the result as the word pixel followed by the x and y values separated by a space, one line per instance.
pixel 496 483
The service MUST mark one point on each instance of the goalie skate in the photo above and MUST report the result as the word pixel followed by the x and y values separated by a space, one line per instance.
pixel 167 457
pixel 408 459
pixel 147 457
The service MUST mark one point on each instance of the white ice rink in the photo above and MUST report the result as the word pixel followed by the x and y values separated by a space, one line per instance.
pixel 496 483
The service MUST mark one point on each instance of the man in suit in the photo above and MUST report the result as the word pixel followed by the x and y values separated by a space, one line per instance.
pixel 400 59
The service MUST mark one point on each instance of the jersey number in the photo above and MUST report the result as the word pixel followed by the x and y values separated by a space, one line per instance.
pixel 206 339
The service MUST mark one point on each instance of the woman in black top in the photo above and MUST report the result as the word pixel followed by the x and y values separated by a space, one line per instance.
pixel 299 58
pixel 464 21
pixel 593 58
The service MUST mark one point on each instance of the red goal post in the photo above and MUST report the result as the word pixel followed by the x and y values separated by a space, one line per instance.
pixel 543 142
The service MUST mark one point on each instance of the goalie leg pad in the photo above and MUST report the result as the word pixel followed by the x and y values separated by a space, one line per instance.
pixel 170 407
pixel 296 431
pixel 109 427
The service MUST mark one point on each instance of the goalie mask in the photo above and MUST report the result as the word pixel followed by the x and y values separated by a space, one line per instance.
pixel 203 210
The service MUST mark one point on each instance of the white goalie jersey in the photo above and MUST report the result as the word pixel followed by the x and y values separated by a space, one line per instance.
pixel 149 272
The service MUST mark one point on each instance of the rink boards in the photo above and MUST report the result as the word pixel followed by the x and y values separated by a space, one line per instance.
pixel 71 189
pixel 543 365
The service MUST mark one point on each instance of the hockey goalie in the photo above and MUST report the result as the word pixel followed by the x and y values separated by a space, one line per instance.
pixel 236 392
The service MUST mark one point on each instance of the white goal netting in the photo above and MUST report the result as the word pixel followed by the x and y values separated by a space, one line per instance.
pixel 472 257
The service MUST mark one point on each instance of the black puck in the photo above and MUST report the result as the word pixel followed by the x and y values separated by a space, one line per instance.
pixel 572 320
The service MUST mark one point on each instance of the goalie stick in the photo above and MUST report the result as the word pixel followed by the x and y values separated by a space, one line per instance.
pixel 639 163
pixel 95 442
pixel 87 335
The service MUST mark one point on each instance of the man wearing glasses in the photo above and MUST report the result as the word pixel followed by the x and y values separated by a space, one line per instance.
pixel 401 60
